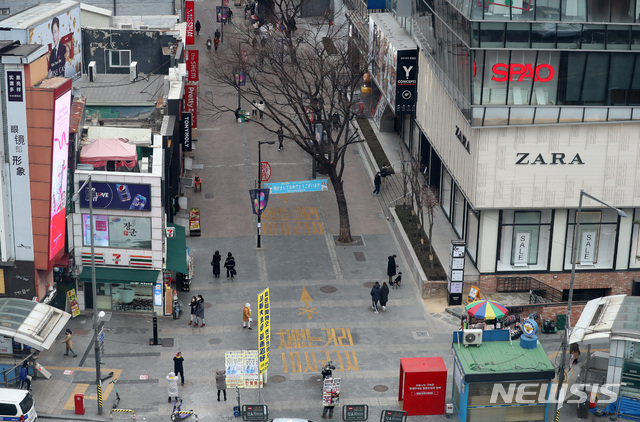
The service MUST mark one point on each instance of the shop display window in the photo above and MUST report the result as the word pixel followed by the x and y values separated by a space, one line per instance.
pixel 525 238
pixel 445 192
pixel 459 205
pixel 471 236
pixel 595 241
pixel 634 259
pixel 132 297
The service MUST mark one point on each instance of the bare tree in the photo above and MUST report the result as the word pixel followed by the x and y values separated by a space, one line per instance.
pixel 306 79
pixel 429 203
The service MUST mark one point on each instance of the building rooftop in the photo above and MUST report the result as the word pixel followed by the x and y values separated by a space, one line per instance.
pixel 117 89
pixel 34 15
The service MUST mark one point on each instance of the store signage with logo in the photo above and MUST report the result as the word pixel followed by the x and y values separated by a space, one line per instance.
pixel 191 102
pixel 185 129
pixel 192 65
pixel 463 139
pixel 503 72
pixel 406 82
pixel 189 14
pixel 587 250
pixel 552 158
pixel 121 196
pixel 523 241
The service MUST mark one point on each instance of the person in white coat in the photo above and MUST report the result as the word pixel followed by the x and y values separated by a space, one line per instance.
pixel 172 385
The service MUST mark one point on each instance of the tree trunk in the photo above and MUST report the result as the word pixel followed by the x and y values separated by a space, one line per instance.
pixel 430 241
pixel 344 236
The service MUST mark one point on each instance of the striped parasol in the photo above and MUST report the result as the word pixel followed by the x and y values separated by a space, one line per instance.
pixel 486 309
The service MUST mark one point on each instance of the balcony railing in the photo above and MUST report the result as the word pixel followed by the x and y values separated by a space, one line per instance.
pixel 539 292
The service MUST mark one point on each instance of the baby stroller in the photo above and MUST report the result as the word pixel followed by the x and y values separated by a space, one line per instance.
pixel 177 306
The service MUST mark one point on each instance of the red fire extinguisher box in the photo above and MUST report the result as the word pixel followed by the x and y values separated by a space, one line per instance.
pixel 423 386
pixel 79 402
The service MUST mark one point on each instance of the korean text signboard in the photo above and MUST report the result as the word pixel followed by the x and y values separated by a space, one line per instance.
pixel 242 369
pixel 254 412
pixel 191 102
pixel 264 330
pixel 189 15
pixel 73 303
pixel 192 65
pixel 355 412
pixel 121 196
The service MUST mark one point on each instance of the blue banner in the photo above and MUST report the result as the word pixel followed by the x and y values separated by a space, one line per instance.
pixel 122 196
pixel 376 4
pixel 299 186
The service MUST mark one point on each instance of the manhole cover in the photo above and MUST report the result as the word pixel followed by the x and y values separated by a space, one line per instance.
pixel 368 284
pixel 208 195
pixel 381 388
pixel 215 341
pixel 328 289
pixel 359 256
pixel 276 379
pixel 166 342
pixel 207 305
pixel 317 380
pixel 420 334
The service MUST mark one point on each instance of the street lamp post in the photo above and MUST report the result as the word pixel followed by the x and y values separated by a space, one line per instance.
pixel 574 248
pixel 94 293
pixel 260 183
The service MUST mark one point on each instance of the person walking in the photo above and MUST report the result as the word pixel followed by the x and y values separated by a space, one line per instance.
pixel 215 263
pixel 172 386
pixel 200 312
pixel 246 316
pixel 221 383
pixel 68 341
pixel 216 34
pixel 230 265
pixel 178 366
pixel 375 296
pixel 229 15
pixel 377 182
pixel 216 43
pixel 198 26
pixel 24 377
pixel 391 267
pixel 254 109
pixel 384 296
pixel 261 108
pixel 280 138
pixel 192 306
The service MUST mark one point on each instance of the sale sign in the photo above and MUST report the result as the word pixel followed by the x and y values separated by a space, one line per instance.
pixel 191 103
pixel 189 15
pixel 192 65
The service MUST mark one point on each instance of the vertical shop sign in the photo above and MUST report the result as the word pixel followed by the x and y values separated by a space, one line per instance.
pixel 19 163
pixel 191 102
pixel 185 128
pixel 73 303
pixel 264 330
pixel 192 65
pixel 189 15
pixel 59 171
pixel 588 247
pixel 521 251
pixel 407 79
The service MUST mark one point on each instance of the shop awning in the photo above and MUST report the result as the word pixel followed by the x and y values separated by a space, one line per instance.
pixel 119 275
pixel 35 324
pixel 177 251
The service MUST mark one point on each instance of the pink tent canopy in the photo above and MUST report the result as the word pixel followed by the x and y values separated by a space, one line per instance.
pixel 102 150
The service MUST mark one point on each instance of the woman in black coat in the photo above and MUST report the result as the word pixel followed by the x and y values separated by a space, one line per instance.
pixel 192 305
pixel 230 265
pixel 215 263
pixel 391 267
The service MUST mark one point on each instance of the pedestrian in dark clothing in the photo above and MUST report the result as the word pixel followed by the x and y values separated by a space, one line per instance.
pixel 192 307
pixel 391 267
pixel 375 296
pixel 254 108
pixel 221 383
pixel 68 341
pixel 328 409
pixel 229 15
pixel 200 312
pixel 384 296
pixel 24 377
pixel 261 108
pixel 377 182
pixel 198 26
pixel 215 263
pixel 178 367
pixel 230 265
pixel 280 138
pixel 216 34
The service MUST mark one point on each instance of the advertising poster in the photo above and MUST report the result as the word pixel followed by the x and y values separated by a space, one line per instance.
pixel 121 196
pixel 264 329
pixel 251 369
pixel 331 392
pixel 130 232
pixel 6 345
pixel 191 102
pixel 242 369
pixel 73 303
pixel 192 65
pixel 62 35
pixel 59 173
pixel 189 14
pixel 406 84
pixel 100 230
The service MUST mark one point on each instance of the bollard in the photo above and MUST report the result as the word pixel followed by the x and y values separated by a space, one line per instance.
pixel 154 341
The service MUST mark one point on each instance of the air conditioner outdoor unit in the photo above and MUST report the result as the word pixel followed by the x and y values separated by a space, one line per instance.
pixel 92 71
pixel 472 337
pixel 133 71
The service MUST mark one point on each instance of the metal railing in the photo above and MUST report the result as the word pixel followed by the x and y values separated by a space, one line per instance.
pixel 539 292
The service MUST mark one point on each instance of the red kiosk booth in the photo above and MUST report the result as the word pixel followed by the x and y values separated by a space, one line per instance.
pixel 423 386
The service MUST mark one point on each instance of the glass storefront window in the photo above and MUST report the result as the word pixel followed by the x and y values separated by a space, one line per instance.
pixel 517 35
pixel 492 34
pixel 634 260
pixel 574 10
pixel 459 205
pixel 618 37
pixel 471 236
pixel 596 239
pixel 525 237
pixel 593 37
pixel 568 35
pixel 445 192
pixel 543 35
pixel 133 297
pixel 635 36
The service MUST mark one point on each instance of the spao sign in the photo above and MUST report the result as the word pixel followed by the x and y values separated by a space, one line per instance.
pixel 518 72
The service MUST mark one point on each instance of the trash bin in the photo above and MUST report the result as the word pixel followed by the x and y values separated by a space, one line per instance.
pixel 79 402
pixel 561 321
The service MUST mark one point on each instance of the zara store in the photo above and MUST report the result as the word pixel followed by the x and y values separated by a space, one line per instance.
pixel 520 106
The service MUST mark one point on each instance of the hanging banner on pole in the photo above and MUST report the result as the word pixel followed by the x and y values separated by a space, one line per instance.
pixel 264 330
pixel 259 199
pixel 265 171
pixel 189 15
